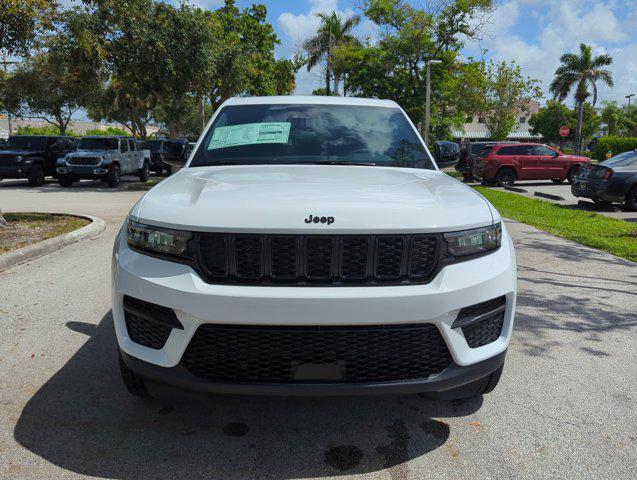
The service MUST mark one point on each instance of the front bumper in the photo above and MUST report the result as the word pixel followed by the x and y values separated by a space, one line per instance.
pixel 15 171
pixel 196 303
pixel 85 172
pixel 596 189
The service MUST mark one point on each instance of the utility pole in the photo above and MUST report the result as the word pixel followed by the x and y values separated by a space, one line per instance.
pixel 629 96
pixel 428 97
pixel 6 73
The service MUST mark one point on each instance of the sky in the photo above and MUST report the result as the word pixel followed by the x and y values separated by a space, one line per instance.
pixel 534 33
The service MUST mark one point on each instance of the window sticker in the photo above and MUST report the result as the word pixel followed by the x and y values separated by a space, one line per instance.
pixel 249 134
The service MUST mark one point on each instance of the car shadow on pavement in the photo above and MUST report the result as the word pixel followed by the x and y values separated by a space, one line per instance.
pixel 83 420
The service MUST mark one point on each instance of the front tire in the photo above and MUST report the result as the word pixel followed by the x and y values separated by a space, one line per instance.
pixel 113 177
pixel 144 173
pixel 133 382
pixel 65 182
pixel 36 176
pixel 474 389
pixel 631 199
pixel 505 177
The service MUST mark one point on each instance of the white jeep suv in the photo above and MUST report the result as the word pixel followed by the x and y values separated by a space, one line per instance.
pixel 311 246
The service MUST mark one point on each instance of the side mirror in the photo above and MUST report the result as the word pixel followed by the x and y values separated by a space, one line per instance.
pixel 174 153
pixel 446 153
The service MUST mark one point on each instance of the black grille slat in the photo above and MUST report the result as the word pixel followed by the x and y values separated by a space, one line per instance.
pixel 274 354
pixel 7 160
pixel 318 257
pixel 149 324
pixel 389 257
pixel 248 252
pixel 256 259
pixel 284 258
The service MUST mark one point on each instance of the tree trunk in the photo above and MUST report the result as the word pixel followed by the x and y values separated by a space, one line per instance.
pixel 3 222
pixel 578 133
pixel 327 78
pixel 337 81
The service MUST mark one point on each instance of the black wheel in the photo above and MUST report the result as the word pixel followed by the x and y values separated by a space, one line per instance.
pixel 134 383
pixel 557 180
pixel 36 176
pixel 144 173
pixel 571 174
pixel 65 182
pixel 113 177
pixel 505 177
pixel 631 199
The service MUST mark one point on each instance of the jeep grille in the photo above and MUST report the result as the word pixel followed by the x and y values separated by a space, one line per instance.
pixel 317 259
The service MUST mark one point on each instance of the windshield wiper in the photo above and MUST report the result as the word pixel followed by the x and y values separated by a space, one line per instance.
pixel 341 162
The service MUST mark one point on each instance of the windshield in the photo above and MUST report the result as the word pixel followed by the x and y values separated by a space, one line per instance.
pixel 151 145
pixel 97 144
pixel 293 134
pixel 622 160
pixel 26 143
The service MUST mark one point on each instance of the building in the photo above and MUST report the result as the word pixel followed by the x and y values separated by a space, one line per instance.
pixel 478 131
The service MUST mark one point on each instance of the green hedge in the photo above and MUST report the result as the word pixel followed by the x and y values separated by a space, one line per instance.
pixel 614 145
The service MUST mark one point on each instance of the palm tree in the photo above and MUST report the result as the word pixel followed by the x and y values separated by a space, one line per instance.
pixel 333 30
pixel 581 72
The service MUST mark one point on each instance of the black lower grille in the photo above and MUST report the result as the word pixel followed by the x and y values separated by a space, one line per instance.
pixel 311 354
pixel 148 324
pixel 485 331
pixel 317 259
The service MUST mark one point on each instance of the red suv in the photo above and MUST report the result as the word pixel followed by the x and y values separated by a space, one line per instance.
pixel 505 164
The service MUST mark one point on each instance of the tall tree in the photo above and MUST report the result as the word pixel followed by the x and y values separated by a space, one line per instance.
pixel 612 117
pixel 578 74
pixel 333 31
pixel 394 66
pixel 500 95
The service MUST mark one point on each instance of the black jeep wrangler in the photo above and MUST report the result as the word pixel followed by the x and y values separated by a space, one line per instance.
pixel 33 156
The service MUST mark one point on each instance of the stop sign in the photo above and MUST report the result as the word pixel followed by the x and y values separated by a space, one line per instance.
pixel 564 131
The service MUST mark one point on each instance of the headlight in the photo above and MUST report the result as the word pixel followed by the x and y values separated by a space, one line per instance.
pixel 155 239
pixel 18 159
pixel 474 241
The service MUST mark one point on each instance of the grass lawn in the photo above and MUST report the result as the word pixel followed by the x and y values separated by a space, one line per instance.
pixel 618 237
pixel 27 228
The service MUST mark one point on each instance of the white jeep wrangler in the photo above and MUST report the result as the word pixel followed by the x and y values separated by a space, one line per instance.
pixel 311 246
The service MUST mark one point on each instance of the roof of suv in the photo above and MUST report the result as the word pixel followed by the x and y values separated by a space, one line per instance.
pixel 310 100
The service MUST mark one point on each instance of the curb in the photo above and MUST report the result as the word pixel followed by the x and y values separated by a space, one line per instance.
pixel 516 189
pixel 548 195
pixel 597 207
pixel 24 254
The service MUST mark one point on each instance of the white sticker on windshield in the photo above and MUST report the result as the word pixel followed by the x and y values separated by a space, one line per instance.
pixel 250 134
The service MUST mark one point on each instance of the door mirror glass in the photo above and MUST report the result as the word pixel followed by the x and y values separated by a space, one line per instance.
pixel 446 153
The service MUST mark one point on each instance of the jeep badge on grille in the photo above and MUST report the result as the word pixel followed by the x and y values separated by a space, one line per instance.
pixel 313 219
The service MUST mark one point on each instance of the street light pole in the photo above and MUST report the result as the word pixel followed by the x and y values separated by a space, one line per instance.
pixel 629 97
pixel 428 97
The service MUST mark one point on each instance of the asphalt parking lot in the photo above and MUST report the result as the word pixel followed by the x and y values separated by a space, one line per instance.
pixel 564 409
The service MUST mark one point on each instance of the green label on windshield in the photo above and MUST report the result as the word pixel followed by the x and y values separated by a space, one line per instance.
pixel 250 134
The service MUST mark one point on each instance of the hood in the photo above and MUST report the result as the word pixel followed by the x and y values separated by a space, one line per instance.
pixel 22 153
pixel 271 198
pixel 90 153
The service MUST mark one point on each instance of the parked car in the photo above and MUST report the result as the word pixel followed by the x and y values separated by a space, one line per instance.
pixel 310 245
pixel 612 181
pixel 33 156
pixel 505 164
pixel 468 154
pixel 104 158
pixel 155 147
